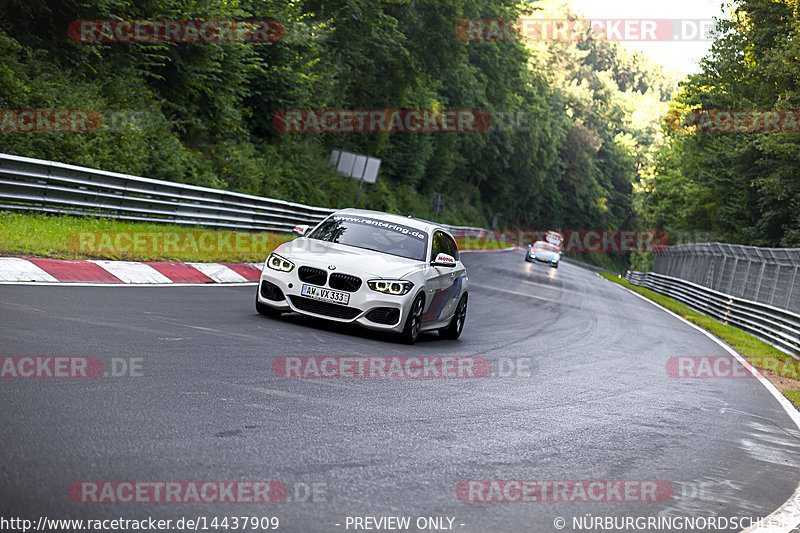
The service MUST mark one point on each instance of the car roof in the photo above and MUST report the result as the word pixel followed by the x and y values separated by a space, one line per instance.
pixel 416 223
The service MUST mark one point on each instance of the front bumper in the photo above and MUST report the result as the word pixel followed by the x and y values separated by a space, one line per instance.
pixel 367 308
pixel 539 259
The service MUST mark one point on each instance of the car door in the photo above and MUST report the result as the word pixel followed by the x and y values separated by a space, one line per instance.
pixel 444 283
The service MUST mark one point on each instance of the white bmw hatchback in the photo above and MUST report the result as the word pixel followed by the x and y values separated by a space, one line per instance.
pixel 381 271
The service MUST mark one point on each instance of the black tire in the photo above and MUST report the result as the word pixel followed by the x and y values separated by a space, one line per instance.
pixel 414 321
pixel 266 310
pixel 453 331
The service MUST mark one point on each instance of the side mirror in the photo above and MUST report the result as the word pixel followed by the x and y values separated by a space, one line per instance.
pixel 300 230
pixel 444 260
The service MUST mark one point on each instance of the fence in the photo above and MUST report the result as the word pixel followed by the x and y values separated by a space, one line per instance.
pixel 779 327
pixel 764 275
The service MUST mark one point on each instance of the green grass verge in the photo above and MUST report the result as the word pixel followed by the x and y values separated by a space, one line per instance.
pixel 68 237
pixel 757 352
pixel 72 237
pixel 793 395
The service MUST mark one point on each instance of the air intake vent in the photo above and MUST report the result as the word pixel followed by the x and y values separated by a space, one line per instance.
pixel 324 308
pixel 270 291
pixel 384 315
pixel 345 282
pixel 314 276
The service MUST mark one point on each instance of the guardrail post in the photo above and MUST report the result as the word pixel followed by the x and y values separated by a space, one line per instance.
pixel 746 277
pixel 791 290
pixel 760 278
pixel 733 274
pixel 775 284
pixel 718 283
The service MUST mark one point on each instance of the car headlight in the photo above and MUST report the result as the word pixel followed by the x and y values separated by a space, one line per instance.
pixel 276 262
pixel 556 258
pixel 388 286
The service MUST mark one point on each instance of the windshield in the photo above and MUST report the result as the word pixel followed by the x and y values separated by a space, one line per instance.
pixel 373 234
pixel 545 247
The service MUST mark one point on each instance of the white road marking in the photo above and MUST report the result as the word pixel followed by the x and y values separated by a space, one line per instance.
pixel 513 292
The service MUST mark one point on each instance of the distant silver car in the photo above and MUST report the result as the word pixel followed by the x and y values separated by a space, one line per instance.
pixel 381 271
pixel 543 252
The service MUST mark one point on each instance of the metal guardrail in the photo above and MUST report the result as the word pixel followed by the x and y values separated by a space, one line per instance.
pixel 777 326
pixel 35 185
pixel 764 275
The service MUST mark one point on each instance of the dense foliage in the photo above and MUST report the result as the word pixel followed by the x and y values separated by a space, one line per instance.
pixel 202 113
pixel 727 186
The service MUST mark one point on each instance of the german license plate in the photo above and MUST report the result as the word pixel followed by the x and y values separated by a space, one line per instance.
pixel 325 295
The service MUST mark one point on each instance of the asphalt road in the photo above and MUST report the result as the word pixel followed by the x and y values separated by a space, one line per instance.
pixel 596 404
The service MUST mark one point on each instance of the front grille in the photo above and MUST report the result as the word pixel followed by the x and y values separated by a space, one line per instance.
pixel 314 276
pixel 384 315
pixel 344 282
pixel 324 308
pixel 270 291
